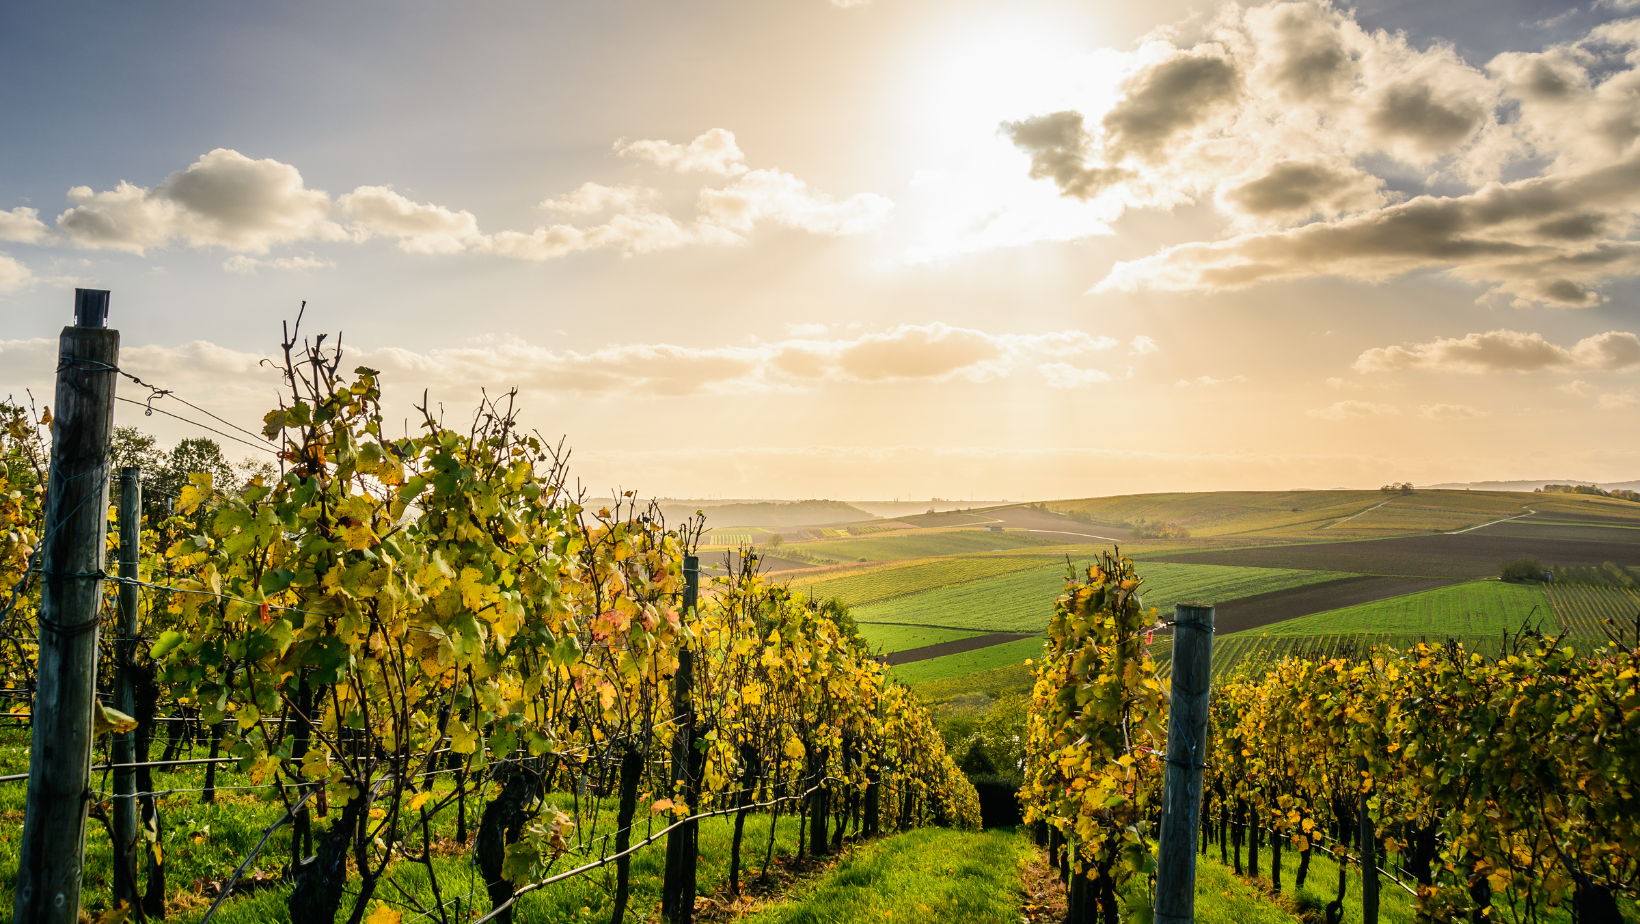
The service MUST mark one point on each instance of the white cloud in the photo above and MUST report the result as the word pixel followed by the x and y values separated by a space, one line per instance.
pixel 224 199
pixel 1143 345
pixel 1578 388
pixel 773 195
pixel 590 197
pixel 228 200
pixel 1065 375
pixel 1507 351
pixel 1448 412
pixel 1207 381
pixel 1345 410
pixel 1290 117
pixel 1618 401
pixel 13 275
pixel 249 266
pixel 640 232
pixel 420 228
pixel 23 225
pixel 713 152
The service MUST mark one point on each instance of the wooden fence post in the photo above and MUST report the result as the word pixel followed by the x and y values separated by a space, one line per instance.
pixel 76 518
pixel 1186 758
pixel 125 700
pixel 1369 860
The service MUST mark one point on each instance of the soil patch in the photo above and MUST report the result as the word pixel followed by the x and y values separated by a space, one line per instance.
pixel 1281 605
pixel 1043 901
pixel 953 647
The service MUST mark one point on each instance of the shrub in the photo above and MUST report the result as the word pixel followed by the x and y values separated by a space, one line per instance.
pixel 1523 570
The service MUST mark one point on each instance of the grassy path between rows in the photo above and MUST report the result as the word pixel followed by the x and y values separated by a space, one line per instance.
pixel 940 876
pixel 926 875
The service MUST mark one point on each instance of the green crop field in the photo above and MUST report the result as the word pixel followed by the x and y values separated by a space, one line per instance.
pixel 878 585
pixel 1323 514
pixel 1247 652
pixel 1475 608
pixel 968 662
pixel 1023 601
pixel 1584 611
pixel 922 545
pixel 984 685
pixel 887 639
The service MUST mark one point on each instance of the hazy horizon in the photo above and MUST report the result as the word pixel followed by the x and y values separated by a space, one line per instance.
pixel 864 248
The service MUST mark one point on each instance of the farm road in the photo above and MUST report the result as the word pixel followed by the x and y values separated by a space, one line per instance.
pixel 953 647
pixel 1282 605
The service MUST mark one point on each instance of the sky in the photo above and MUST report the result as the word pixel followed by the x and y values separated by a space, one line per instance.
pixel 862 249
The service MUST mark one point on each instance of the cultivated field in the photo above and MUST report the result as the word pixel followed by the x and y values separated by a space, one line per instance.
pixel 886 639
pixel 968 662
pixel 1469 609
pixel 904 579
pixel 1473 554
pixel 1594 612
pixel 1277 606
pixel 1020 601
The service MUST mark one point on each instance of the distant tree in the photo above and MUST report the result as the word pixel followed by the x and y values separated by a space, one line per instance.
pixel 1523 570
pixel 776 541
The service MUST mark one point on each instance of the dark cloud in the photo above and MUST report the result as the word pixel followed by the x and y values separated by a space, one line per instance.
pixel 1492 234
pixel 1167 98
pixel 1058 145
pixel 1302 188
pixel 1308 60
pixel 1433 125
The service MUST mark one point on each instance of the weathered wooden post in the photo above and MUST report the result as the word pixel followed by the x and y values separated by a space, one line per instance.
pixel 125 700
pixel 678 883
pixel 1186 756
pixel 76 515
pixel 1368 847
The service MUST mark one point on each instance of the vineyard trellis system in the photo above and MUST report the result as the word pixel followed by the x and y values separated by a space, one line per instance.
pixel 386 632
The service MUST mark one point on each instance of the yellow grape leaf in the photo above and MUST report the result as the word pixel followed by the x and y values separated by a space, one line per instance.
pixel 358 537
pixel 463 740
pixel 390 472
pixel 382 914
pixel 660 805
pixel 197 491
pixel 420 800
pixel 105 720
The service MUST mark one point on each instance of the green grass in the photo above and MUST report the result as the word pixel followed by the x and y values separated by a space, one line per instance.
pixel 928 875
pixel 923 545
pixel 208 841
pixel 891 638
pixel 1395 904
pixel 1023 601
pixel 1221 898
pixel 968 662
pixel 1474 608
